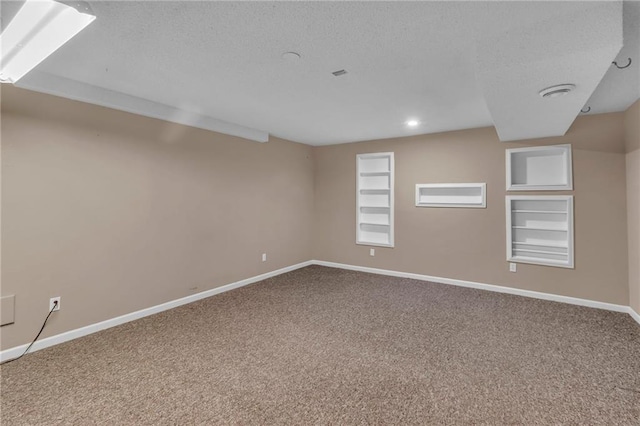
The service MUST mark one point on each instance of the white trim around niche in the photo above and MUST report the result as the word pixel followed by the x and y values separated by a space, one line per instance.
pixel 539 168
pixel 456 195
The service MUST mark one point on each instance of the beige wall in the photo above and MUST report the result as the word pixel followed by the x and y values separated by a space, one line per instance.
pixel 116 212
pixel 469 244
pixel 632 139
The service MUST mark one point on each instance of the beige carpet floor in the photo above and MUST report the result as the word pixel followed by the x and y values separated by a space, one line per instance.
pixel 327 346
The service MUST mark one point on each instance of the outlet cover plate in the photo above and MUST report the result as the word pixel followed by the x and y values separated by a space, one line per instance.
pixel 53 299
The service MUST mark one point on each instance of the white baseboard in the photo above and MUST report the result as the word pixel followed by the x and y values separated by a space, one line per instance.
pixel 93 328
pixel 481 286
pixel 634 315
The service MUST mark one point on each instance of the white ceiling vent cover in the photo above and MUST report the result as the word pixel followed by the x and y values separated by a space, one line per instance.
pixel 555 91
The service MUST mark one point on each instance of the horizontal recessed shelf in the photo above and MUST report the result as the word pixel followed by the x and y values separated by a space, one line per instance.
pixel 375 190
pixel 539 229
pixel 538 261
pixel 375 163
pixel 555 253
pixel 539 211
pixel 374 224
pixel 461 195
pixel 375 173
pixel 525 187
pixel 372 243
pixel 521 243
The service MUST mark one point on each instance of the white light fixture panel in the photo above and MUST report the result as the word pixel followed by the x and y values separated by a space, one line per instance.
pixel 465 195
pixel 39 28
pixel 374 199
pixel 539 168
pixel 540 229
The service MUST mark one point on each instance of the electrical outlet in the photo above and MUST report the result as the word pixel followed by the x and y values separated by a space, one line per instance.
pixel 51 302
pixel 372 252
pixel 512 267
pixel 264 257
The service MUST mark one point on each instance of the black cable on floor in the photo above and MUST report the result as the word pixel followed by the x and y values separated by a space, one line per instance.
pixel 55 305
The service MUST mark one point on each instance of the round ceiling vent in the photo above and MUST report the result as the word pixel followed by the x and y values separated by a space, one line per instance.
pixel 557 90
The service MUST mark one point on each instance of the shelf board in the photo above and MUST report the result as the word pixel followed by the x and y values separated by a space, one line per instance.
pixel 372 243
pixel 540 187
pixel 375 173
pixel 374 190
pixel 538 261
pixel 375 207
pixel 539 211
pixel 540 245
pixel 373 223
pixel 531 228
pixel 554 253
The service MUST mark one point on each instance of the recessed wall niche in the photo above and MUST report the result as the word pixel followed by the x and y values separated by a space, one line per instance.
pixel 540 229
pixel 465 195
pixel 374 199
pixel 539 168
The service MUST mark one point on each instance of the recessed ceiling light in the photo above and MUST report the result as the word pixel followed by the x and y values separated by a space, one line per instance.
pixel 412 123
pixel 557 90
pixel 291 56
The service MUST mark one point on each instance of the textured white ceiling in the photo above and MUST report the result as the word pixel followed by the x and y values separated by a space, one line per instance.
pixel 514 65
pixel 218 65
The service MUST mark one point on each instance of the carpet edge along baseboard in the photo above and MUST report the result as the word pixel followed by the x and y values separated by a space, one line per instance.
pixel 132 316
pixel 93 328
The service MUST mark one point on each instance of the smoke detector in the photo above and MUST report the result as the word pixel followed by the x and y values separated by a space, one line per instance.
pixel 557 90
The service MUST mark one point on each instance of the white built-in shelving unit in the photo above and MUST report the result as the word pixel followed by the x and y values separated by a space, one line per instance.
pixel 540 229
pixel 469 195
pixel 539 168
pixel 374 199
